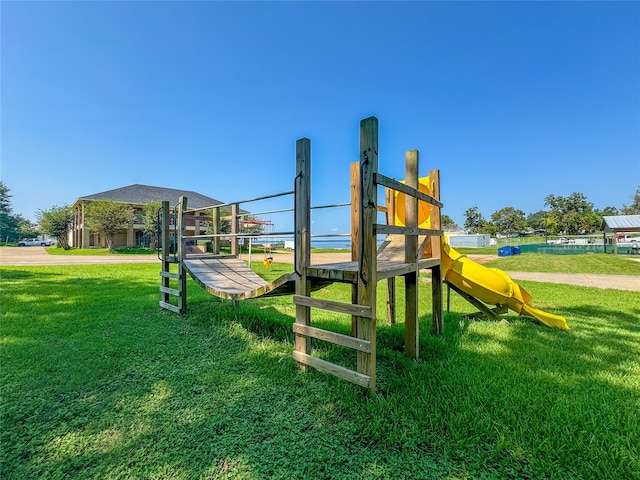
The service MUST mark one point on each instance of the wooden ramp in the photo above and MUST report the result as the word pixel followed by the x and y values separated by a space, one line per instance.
pixel 231 278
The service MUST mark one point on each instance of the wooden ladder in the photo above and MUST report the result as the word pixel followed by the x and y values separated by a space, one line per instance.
pixel 362 309
pixel 174 284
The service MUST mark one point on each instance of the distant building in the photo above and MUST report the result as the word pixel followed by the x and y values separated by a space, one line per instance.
pixel 137 196
pixel 476 240
pixel 621 225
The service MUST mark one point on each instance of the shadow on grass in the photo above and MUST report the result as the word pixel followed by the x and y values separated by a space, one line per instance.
pixel 106 385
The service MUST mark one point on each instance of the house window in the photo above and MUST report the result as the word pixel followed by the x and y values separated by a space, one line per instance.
pixel 142 239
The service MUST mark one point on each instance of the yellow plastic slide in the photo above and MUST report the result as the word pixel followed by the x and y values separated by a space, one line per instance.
pixel 489 285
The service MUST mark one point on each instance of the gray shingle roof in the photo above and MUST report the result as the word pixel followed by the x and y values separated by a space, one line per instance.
pixel 621 223
pixel 141 194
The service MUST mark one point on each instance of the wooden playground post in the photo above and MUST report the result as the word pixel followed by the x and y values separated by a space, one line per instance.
pixel 390 202
pixel 437 315
pixel 180 245
pixel 215 227
pixel 355 228
pixel 367 261
pixel 166 250
pixel 411 322
pixel 302 247
pixel 235 229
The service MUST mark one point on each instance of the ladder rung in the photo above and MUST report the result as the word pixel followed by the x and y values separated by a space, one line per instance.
pixel 170 275
pixel 168 306
pixel 333 337
pixel 324 366
pixel 170 291
pixel 339 307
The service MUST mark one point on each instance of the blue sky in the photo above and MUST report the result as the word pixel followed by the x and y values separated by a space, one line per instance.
pixel 511 101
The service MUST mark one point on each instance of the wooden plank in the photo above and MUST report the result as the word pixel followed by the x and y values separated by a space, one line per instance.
pixel 175 276
pixel 435 213
pixel 302 247
pixel 168 306
pixel 486 311
pixel 359 379
pixel 385 181
pixel 382 229
pixel 332 306
pixel 411 318
pixel 235 229
pixel 355 210
pixel 390 200
pixel 165 248
pixel 391 301
pixel 426 241
pixel 332 337
pixel 437 313
pixel 181 231
pixel 171 291
pixel 215 224
pixel 367 258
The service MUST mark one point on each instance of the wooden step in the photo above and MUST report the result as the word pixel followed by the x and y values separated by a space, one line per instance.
pixel 170 291
pixel 327 367
pixel 168 306
pixel 338 307
pixel 175 276
pixel 333 337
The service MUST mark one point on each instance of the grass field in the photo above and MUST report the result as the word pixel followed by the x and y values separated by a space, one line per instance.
pixel 97 382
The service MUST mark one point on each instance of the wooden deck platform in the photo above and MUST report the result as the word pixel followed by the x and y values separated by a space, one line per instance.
pixel 229 277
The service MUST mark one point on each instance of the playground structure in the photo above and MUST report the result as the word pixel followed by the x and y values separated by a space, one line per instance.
pixel 413 241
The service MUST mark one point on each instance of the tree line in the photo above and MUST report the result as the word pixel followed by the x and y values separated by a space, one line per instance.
pixel 570 215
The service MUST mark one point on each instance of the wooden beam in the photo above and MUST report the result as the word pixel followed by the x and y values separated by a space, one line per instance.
pixel 175 276
pixel 385 181
pixel 170 307
pixel 486 311
pixel 332 306
pixel 302 245
pixel 332 337
pixel 355 228
pixel 165 241
pixel 411 320
pixel 180 241
pixel 235 229
pixel 215 223
pixel 406 230
pixel 367 267
pixel 355 210
pixel 171 291
pixel 437 314
pixel 363 381
pixel 391 301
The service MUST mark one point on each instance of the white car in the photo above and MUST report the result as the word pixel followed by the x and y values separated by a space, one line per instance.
pixel 34 242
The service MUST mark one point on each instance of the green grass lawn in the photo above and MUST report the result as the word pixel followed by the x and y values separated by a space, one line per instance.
pixel 97 382
pixel 589 263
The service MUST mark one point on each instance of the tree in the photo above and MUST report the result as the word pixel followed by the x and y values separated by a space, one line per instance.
pixel 9 224
pixel 634 208
pixel 508 220
pixel 150 221
pixel 107 217
pixel 608 212
pixel 571 215
pixel 57 222
pixel 537 220
pixel 447 223
pixel 27 228
pixel 474 221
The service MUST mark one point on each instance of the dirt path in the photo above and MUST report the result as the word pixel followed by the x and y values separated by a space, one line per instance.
pixel 33 256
